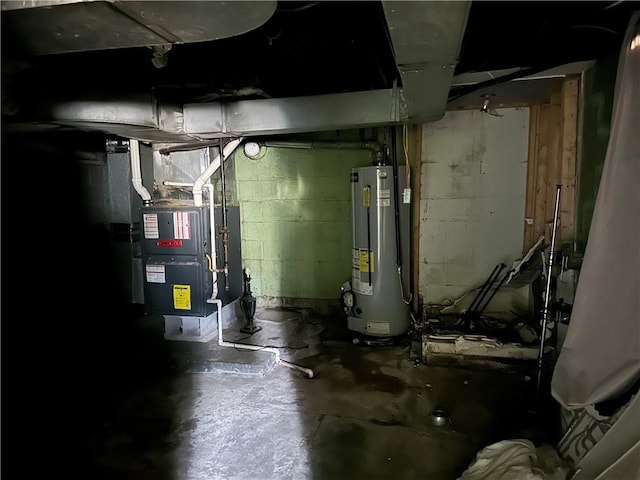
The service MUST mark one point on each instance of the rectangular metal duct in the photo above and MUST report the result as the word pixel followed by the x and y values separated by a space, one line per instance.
pixel 62 26
pixel 426 38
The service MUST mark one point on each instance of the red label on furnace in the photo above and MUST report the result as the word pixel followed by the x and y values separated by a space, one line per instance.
pixel 169 243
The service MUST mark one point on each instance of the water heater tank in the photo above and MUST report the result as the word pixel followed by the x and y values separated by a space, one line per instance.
pixel 380 255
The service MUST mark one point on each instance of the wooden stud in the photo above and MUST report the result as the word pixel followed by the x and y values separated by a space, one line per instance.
pixel 532 160
pixel 553 140
pixel 568 160
pixel 552 162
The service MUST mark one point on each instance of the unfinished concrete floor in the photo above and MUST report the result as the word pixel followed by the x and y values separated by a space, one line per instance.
pixel 158 409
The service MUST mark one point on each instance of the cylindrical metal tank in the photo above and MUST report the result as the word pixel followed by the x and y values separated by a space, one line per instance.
pixel 380 270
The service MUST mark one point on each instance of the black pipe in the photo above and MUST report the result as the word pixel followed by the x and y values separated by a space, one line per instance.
pixel 396 210
pixel 502 280
pixel 488 281
pixel 490 284
pixel 225 229
pixel 368 187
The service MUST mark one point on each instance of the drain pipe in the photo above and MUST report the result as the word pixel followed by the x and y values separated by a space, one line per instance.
pixel 309 372
pixel 136 172
pixel 374 147
pixel 213 166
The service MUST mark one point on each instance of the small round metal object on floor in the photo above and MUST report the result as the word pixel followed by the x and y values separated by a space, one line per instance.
pixel 439 417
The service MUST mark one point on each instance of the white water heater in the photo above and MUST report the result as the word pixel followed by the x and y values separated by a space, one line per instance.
pixel 378 304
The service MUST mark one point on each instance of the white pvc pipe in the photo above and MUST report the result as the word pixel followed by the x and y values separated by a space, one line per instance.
pixel 199 184
pixel 213 166
pixel 136 171
pixel 309 372
pixel 177 184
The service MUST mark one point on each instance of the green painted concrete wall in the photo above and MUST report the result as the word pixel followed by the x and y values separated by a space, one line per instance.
pixel 597 103
pixel 296 220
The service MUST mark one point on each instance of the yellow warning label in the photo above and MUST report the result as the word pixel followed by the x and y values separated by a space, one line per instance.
pixel 182 297
pixel 366 257
pixel 366 196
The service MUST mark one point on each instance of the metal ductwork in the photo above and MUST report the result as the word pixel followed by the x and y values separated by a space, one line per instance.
pixel 295 115
pixel 426 38
pixel 62 26
pixel 142 118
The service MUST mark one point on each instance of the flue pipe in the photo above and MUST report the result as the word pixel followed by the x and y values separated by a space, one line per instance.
pixel 213 166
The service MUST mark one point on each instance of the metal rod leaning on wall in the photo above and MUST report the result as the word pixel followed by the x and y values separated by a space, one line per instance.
pixel 493 294
pixel 547 292
pixel 477 300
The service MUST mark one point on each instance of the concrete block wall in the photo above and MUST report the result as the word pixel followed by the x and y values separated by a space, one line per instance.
pixel 472 199
pixel 296 221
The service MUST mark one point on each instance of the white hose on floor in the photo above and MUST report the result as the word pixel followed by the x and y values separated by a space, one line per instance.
pixel 309 372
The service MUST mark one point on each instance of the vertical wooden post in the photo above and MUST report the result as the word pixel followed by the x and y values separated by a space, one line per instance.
pixel 532 162
pixel 543 170
pixel 552 132
pixel 552 162
pixel 567 179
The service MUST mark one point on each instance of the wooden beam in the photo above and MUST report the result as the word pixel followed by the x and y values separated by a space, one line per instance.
pixel 566 232
pixel 552 162
pixel 543 171
pixel 552 143
pixel 532 161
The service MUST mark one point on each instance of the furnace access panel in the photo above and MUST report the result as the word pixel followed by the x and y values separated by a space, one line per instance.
pixel 176 260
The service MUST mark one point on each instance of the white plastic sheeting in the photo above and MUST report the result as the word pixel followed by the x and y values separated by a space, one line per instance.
pixel 516 459
pixel 600 358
